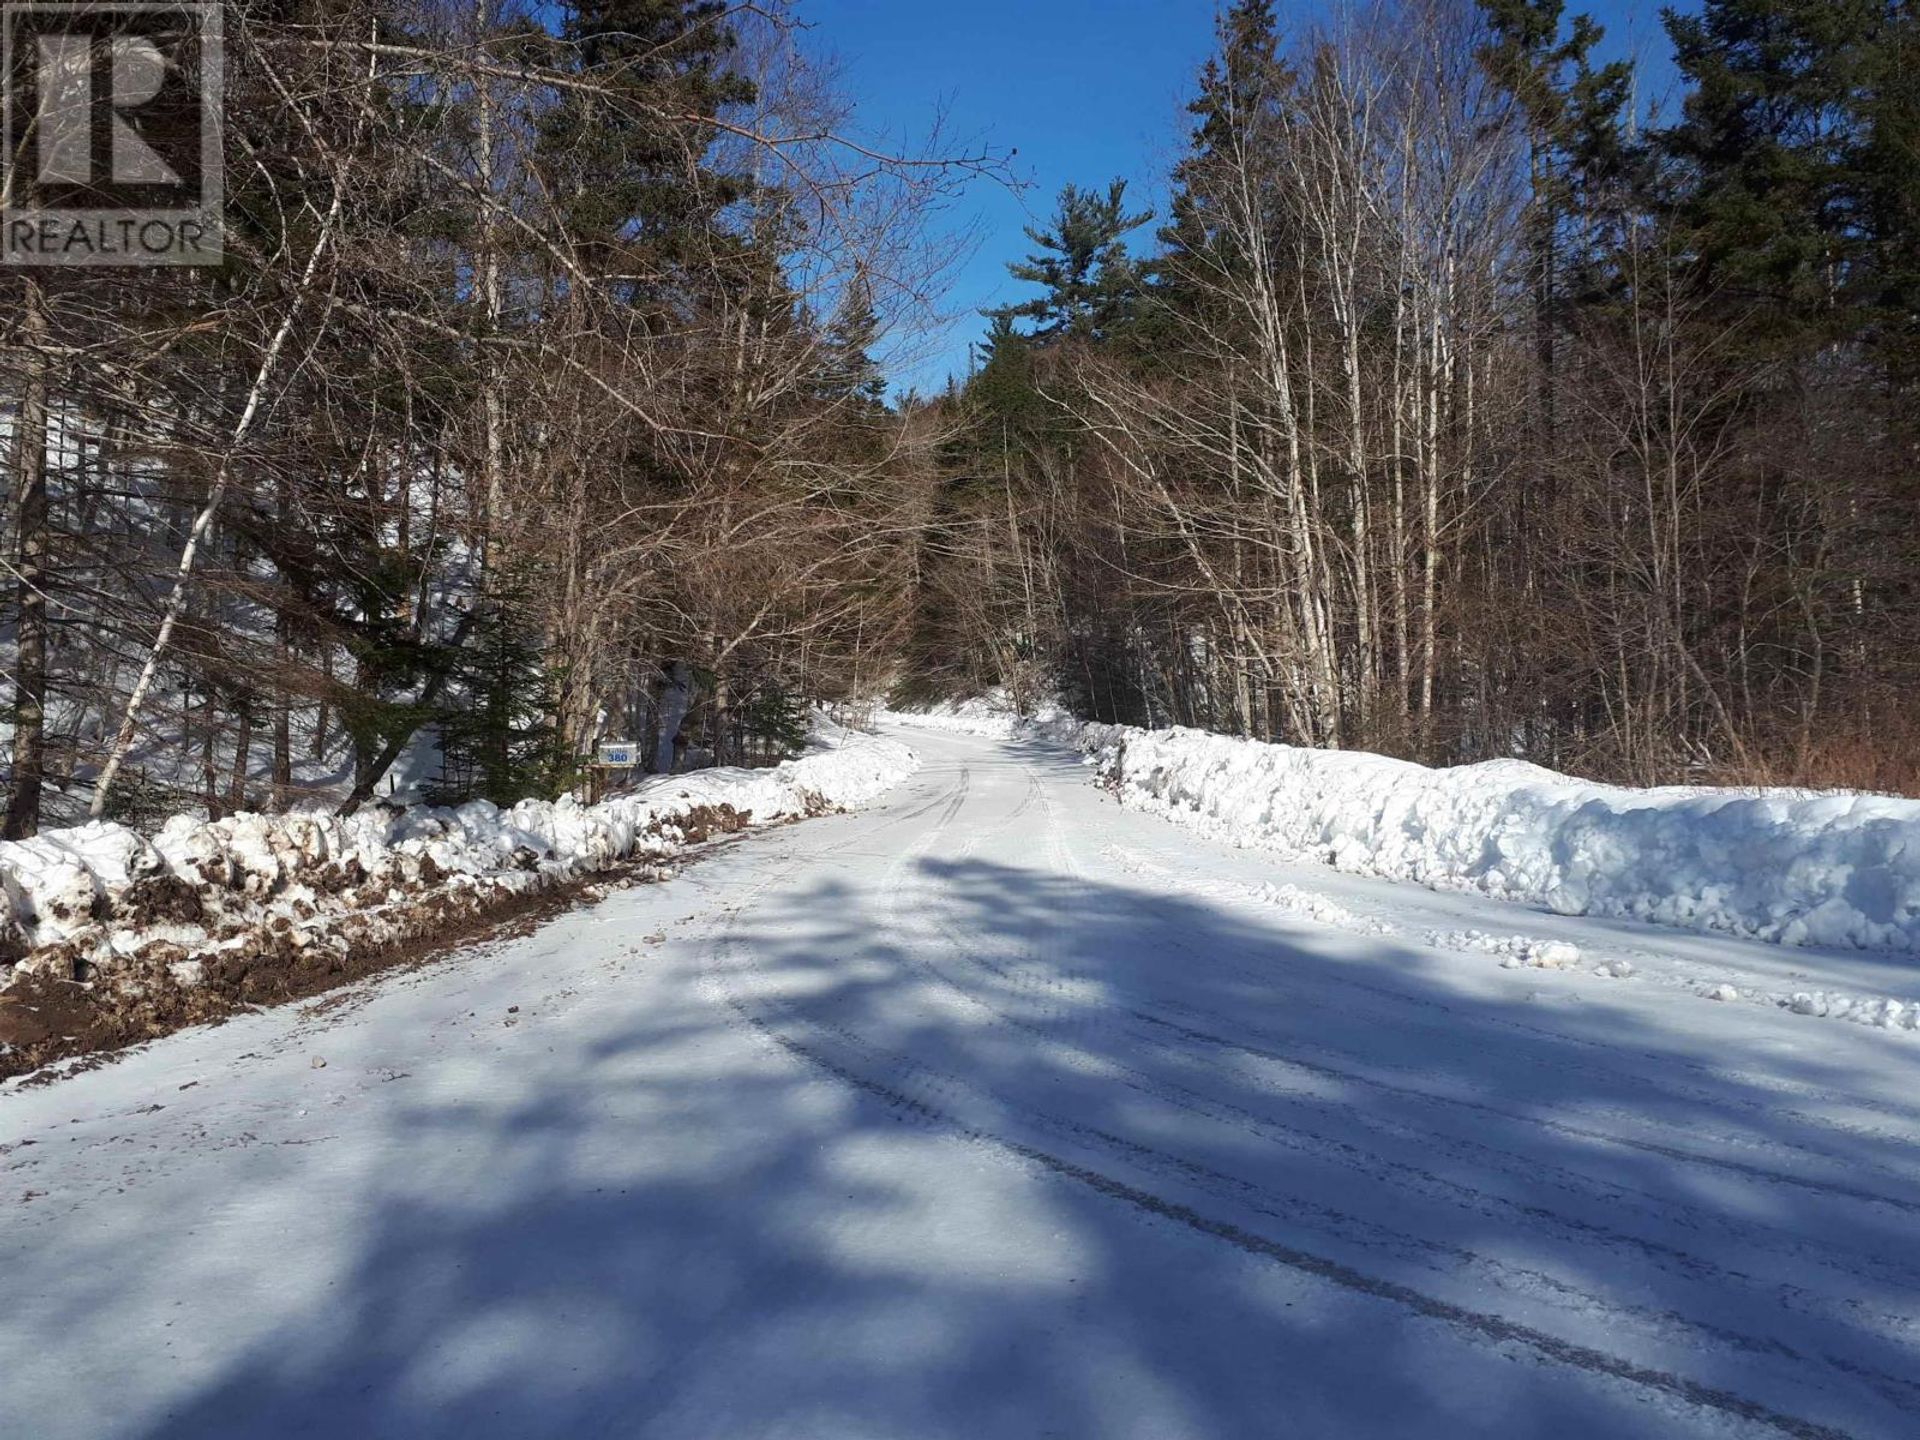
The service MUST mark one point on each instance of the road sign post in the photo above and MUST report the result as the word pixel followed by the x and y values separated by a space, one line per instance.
pixel 613 755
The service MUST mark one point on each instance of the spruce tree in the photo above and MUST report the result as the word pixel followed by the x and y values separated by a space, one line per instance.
pixel 1793 187
pixel 642 189
pixel 849 370
pixel 1795 175
pixel 1243 90
pixel 497 732
pixel 1572 111
pixel 1890 199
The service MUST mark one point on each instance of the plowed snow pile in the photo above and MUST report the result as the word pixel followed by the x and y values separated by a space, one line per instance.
pixel 1788 866
pixel 101 900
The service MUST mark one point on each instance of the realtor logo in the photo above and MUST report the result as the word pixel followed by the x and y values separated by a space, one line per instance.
pixel 112 133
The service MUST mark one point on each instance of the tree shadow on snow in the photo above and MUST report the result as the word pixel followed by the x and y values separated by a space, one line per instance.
pixel 1117 1163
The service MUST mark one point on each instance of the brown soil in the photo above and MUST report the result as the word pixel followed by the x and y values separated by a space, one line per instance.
pixel 47 1018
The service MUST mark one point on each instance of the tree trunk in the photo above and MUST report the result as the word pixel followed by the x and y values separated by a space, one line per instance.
pixel 242 749
pixel 30 671
pixel 203 522
pixel 676 698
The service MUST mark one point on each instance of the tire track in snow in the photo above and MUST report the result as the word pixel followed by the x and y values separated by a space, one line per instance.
pixel 1840 1268
pixel 1280 980
pixel 1072 1022
pixel 1480 1326
pixel 1347 1075
pixel 1424 1185
pixel 1137 865
pixel 930 1096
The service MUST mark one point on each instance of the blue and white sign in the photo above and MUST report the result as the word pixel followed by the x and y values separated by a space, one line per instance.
pixel 619 754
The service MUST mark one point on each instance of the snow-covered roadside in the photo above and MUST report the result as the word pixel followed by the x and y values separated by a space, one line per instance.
pixel 103 904
pixel 993 718
pixel 1818 983
pixel 1790 867
pixel 936 1119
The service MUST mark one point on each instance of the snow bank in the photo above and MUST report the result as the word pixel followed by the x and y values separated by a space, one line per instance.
pixel 81 902
pixel 1787 866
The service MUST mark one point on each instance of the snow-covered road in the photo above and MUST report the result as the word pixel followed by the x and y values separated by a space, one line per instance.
pixel 995 1110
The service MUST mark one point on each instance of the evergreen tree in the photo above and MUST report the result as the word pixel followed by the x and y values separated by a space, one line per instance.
pixel 1242 90
pixel 1091 283
pixel 778 720
pixel 1793 190
pixel 1003 387
pixel 850 371
pixel 1890 161
pixel 498 736
pixel 641 185
pixel 1573 108
pixel 1573 112
pixel 1797 177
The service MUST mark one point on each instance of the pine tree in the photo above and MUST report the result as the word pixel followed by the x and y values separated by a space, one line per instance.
pixel 1091 283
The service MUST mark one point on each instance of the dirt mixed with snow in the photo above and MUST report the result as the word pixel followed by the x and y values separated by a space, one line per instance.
pixel 109 937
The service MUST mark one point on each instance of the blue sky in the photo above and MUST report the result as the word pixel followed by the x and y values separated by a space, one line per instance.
pixel 1081 90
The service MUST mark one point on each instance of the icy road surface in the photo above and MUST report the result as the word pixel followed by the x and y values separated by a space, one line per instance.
pixel 992 1111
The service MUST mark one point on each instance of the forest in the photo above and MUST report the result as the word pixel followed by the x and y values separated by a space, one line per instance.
pixel 1458 405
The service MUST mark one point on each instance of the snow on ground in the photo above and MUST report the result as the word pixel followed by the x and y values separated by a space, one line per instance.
pixel 990 716
pixel 995 1109
pixel 1808 871
pixel 1787 866
pixel 84 902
